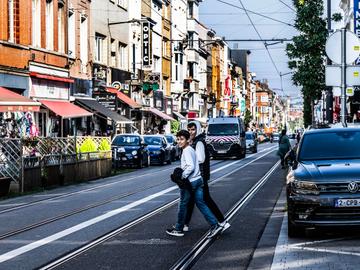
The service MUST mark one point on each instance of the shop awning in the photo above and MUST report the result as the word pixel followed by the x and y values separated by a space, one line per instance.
pixel 13 102
pixel 179 116
pixel 160 114
pixel 65 109
pixel 124 98
pixel 51 77
pixel 95 107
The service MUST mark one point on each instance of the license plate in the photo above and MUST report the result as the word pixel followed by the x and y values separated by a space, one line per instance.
pixel 222 152
pixel 124 158
pixel 347 203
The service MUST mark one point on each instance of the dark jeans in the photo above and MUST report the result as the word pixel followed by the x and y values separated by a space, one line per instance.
pixel 209 202
pixel 197 194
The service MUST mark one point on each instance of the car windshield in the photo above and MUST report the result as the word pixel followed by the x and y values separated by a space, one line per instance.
pixel 276 135
pixel 126 140
pixel 249 136
pixel 153 140
pixel 223 129
pixel 330 145
pixel 170 139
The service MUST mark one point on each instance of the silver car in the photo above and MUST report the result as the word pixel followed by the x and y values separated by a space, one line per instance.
pixel 251 141
pixel 323 183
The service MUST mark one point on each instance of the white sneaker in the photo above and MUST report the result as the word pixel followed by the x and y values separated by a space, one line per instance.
pixel 215 230
pixel 186 228
pixel 226 225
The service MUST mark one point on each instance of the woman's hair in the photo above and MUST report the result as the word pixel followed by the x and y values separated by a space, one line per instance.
pixel 283 132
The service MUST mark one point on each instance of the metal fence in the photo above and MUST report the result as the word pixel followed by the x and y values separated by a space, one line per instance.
pixel 19 154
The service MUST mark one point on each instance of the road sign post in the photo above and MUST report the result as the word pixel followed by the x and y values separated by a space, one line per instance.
pixel 349 45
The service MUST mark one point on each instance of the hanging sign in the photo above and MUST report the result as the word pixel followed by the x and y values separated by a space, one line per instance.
pixel 146 40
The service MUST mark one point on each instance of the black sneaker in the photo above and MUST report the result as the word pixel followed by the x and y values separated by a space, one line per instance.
pixel 215 230
pixel 175 232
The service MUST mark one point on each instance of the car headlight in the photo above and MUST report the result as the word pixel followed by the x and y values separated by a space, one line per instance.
pixel 305 187
pixel 134 152
pixel 121 150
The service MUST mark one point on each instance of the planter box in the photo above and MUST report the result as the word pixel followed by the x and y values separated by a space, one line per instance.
pixel 4 186
pixel 83 170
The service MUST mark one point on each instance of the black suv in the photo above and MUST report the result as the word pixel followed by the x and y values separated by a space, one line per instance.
pixel 130 150
pixel 323 183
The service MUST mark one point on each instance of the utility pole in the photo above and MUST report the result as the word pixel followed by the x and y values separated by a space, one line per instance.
pixel 329 95
pixel 343 76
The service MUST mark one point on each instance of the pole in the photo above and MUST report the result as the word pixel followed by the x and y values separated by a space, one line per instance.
pixel 343 77
pixel 329 95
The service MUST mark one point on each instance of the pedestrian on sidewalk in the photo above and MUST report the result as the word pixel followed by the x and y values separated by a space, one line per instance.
pixel 197 140
pixel 191 171
pixel 284 147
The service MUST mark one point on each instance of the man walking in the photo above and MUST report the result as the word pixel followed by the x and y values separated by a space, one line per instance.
pixel 191 171
pixel 197 139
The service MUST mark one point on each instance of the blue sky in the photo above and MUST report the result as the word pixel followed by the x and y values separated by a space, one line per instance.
pixel 232 23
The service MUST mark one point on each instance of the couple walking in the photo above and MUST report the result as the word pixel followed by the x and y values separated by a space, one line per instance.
pixel 195 172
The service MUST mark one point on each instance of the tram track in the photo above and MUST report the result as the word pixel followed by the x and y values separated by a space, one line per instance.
pixel 26 205
pixel 82 209
pixel 76 252
pixel 193 255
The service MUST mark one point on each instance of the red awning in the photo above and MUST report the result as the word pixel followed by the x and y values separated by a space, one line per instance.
pixel 13 102
pixel 160 114
pixel 65 109
pixel 132 103
pixel 51 77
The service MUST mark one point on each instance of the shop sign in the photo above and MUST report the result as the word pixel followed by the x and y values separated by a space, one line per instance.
pixel 146 41
pixel 106 99
pixel 158 100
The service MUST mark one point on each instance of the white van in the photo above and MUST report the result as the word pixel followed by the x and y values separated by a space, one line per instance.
pixel 225 137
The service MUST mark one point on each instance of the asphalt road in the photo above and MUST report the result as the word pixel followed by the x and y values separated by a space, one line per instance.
pixel 67 218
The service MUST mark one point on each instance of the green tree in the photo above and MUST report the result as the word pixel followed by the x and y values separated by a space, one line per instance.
pixel 307 53
pixel 174 126
pixel 247 117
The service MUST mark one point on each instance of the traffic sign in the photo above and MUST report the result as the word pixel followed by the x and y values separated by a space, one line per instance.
pixel 333 47
pixel 333 75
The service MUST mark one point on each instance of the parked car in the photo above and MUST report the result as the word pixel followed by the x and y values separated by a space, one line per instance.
pixel 159 148
pixel 130 150
pixel 323 183
pixel 225 137
pixel 175 149
pixel 251 141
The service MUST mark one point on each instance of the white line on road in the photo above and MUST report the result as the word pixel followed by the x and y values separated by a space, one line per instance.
pixel 24 249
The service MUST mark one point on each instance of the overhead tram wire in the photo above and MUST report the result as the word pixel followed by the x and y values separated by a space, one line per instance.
pixel 287 5
pixel 255 13
pixel 257 32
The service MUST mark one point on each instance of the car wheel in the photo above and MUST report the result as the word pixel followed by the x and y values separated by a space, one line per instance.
pixel 169 161
pixel 140 165
pixel 294 230
pixel 147 164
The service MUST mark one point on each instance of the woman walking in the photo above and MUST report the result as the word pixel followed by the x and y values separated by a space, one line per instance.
pixel 284 147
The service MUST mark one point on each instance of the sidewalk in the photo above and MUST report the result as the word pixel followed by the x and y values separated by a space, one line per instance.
pixel 319 250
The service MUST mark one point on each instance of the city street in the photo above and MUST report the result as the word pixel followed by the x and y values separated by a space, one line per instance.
pixel 138 207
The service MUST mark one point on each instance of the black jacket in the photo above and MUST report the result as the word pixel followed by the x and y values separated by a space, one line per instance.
pixel 205 166
pixel 177 178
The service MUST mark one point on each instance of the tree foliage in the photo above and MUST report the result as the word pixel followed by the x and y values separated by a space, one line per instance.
pixel 247 117
pixel 307 52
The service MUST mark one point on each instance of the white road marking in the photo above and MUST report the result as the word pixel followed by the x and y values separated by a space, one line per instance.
pixel 24 249
pixel 284 258
pixel 338 252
